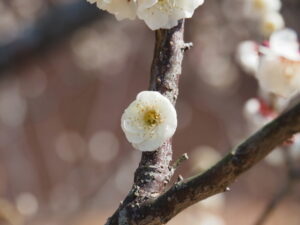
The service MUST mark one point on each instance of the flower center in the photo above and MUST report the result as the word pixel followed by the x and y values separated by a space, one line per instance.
pixel 165 5
pixel 269 27
pixel 291 67
pixel 152 118
pixel 259 4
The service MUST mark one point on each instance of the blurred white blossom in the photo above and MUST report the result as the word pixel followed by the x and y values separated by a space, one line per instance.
pixel 247 56
pixel 275 158
pixel 256 7
pixel 271 22
pixel 265 14
pixel 149 121
pixel 89 45
pixel 276 65
pixel 285 43
pixel 27 204
pixel 103 146
pixel 279 70
pixel 204 157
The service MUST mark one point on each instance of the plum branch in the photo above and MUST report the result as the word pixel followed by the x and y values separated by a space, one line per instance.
pixel 148 202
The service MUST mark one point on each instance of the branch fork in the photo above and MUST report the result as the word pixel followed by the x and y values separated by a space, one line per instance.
pixel 148 202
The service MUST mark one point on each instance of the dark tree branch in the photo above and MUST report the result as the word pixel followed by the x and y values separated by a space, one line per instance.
pixel 147 201
pixel 59 22
pixel 154 171
pixel 167 61
pixel 219 177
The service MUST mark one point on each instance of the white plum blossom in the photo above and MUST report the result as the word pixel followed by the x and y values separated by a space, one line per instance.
pixel 279 69
pixel 271 21
pixel 279 76
pixel 157 14
pixel 149 121
pixel 247 56
pixel 259 7
pixel 276 65
pixel 122 9
pixel 265 14
pixel 166 13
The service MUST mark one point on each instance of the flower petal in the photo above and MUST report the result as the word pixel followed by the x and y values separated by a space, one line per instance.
pixel 285 43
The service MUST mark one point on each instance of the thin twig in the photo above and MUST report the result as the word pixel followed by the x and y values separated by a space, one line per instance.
pixel 179 161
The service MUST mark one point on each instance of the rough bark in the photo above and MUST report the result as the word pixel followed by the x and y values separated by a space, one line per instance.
pixel 154 171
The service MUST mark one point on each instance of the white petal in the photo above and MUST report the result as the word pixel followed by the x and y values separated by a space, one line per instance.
pixel 271 22
pixel 285 43
pixel 247 56
pixel 273 77
pixel 149 145
pixel 273 5
pixel 266 5
pixel 251 108
pixel 189 5
pixel 165 13
pixel 134 138
pixel 149 96
pixel 122 9
pixel 295 70
pixel 130 126
pixel 154 19
pixel 145 4
pixel 167 129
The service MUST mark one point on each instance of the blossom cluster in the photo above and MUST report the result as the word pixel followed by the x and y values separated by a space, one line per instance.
pixel 267 12
pixel 157 14
pixel 276 63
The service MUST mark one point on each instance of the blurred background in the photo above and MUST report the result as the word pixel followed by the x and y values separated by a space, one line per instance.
pixel 68 70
